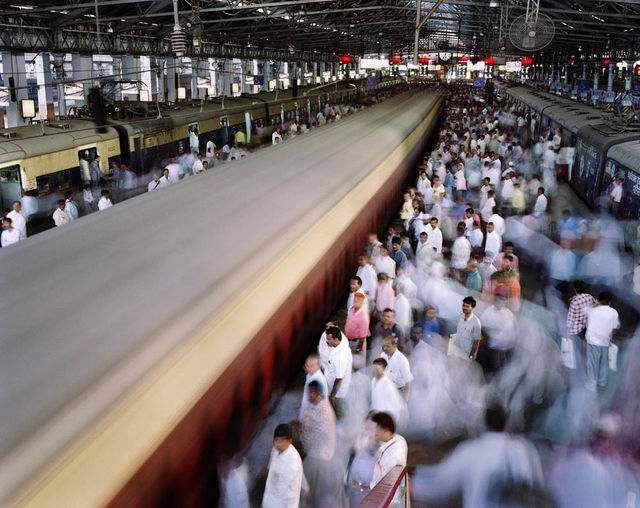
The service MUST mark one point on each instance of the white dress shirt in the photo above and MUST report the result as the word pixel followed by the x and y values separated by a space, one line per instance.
pixel 9 237
pixel 385 265
pixel 460 253
pixel 398 369
pixel 434 238
pixel 197 167
pixel 175 170
pixel 369 280
pixel 19 222
pixel 324 350
pixel 104 203
pixel 494 244
pixel 541 205
pixel 386 397
pixel 390 454
pixel 61 217
pixel 402 313
pixel 498 223
pixel 284 480
pixel 339 367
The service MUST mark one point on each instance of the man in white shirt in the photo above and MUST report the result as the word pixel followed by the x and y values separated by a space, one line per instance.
pixel 424 252
pixel 338 372
pixel 392 450
pixel 434 235
pixel 313 373
pixel 276 137
pixel 285 477
pixel 385 395
pixel 507 188
pixel 476 237
pixel 494 241
pixel 489 205
pixel 368 276
pixel 70 205
pixel 541 203
pixel 164 180
pixel 398 368
pixel 105 200
pixel 194 141
pixel 60 216
pixel 384 264
pixel 175 170
pixel 500 326
pixel 498 222
pixel 602 323
pixel 10 235
pixel 324 350
pixel 210 149
pixel 460 252
pixel 88 198
pixel 154 184
pixel 198 167
pixel 402 308
pixel 18 219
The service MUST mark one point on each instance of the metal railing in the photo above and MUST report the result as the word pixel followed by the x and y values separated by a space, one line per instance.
pixel 390 492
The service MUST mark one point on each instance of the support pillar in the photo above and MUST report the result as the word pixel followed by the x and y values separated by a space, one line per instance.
pixel 44 79
pixel 610 80
pixel 314 73
pixel 157 78
pixel 58 63
pixel 226 77
pixel 83 73
pixel 147 77
pixel 196 63
pixel 629 76
pixel 116 70
pixel 14 76
pixel 267 74
pixel 172 80
pixel 584 71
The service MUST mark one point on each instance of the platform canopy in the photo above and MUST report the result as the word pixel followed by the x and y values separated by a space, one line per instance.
pixel 300 27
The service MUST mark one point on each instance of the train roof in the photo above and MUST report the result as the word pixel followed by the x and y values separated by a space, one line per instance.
pixel 28 140
pixel 573 116
pixel 627 154
pixel 603 136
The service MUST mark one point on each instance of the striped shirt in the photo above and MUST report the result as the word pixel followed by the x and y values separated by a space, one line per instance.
pixel 576 317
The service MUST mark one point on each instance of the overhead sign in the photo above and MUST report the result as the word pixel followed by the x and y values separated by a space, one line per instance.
pixel 372 81
pixel 478 83
pixel 584 85
pixel 374 63
pixel 513 66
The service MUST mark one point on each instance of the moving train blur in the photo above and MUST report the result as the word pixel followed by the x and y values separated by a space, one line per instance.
pixel 197 303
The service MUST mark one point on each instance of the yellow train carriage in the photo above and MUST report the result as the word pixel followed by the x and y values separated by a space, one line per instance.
pixel 41 159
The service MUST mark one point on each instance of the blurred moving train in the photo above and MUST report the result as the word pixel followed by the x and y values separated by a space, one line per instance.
pixel 605 147
pixel 44 158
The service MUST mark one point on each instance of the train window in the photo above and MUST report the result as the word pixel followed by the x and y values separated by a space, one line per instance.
pixel 9 186
pixel 60 181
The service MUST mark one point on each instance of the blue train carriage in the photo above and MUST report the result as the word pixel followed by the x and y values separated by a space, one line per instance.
pixel 594 143
pixel 45 158
pixel 570 118
pixel 623 160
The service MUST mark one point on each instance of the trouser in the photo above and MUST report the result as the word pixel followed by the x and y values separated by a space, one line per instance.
pixel 340 407
pixel 597 366
pixel 579 353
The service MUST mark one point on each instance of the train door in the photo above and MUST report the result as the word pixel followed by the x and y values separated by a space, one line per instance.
pixel 248 123
pixel 224 130
pixel 9 186
pixel 194 137
pixel 138 166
